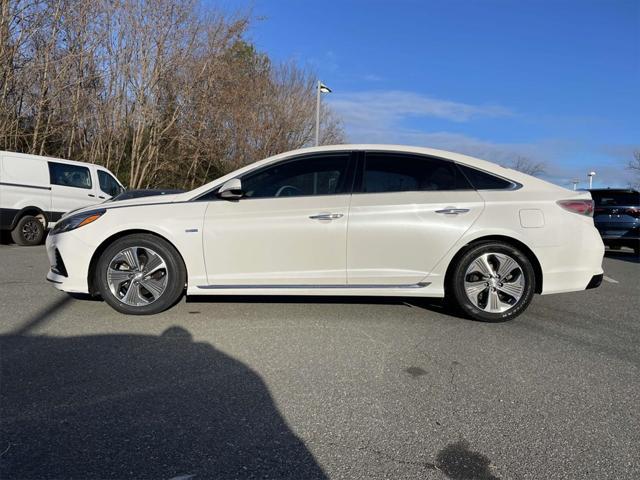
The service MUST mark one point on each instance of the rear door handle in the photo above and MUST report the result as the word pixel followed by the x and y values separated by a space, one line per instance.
pixel 452 211
pixel 326 216
pixel 91 195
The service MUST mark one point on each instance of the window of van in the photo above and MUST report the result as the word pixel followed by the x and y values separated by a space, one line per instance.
pixel 68 175
pixel 108 184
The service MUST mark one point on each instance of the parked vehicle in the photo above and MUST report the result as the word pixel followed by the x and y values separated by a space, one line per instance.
pixel 617 217
pixel 341 220
pixel 36 191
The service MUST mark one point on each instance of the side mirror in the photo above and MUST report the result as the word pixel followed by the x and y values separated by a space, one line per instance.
pixel 231 189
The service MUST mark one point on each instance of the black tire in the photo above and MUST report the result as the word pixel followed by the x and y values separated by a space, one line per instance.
pixel 175 272
pixel 29 231
pixel 457 295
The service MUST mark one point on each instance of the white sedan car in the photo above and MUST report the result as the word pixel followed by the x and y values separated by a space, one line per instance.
pixel 340 220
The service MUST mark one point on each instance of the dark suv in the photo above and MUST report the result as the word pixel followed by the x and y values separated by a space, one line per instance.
pixel 617 217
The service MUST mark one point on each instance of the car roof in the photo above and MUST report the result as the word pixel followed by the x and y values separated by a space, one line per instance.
pixel 490 167
pixel 53 159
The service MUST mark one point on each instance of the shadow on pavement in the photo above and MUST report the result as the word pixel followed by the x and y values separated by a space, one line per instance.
pixel 436 305
pixel 42 316
pixel 458 462
pixel 139 406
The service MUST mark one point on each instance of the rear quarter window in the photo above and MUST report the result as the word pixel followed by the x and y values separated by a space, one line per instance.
pixel 486 181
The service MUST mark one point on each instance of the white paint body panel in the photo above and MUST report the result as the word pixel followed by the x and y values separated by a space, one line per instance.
pixel 281 244
pixel 392 244
pixel 397 238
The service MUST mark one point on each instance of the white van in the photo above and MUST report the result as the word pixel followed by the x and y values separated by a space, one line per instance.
pixel 35 191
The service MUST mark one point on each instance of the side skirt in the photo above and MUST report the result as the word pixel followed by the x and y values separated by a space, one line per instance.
pixel 422 289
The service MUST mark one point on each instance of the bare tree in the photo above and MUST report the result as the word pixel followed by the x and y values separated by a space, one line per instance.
pixel 528 166
pixel 162 92
pixel 634 166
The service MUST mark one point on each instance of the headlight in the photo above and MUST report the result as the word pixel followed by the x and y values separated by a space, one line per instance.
pixel 77 221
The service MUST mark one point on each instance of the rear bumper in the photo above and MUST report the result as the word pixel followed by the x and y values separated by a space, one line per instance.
pixel 619 231
pixel 595 282
pixel 573 266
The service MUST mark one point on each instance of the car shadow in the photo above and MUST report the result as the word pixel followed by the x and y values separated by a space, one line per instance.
pixel 139 406
pixel 436 305
pixel 624 255
pixel 5 237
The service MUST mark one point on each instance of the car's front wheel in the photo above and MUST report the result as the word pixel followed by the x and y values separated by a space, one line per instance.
pixel 492 282
pixel 140 274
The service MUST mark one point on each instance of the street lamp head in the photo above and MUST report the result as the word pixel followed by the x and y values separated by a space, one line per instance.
pixel 323 88
pixel 592 174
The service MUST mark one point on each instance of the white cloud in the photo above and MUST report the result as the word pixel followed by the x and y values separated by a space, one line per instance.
pixel 379 117
pixel 386 108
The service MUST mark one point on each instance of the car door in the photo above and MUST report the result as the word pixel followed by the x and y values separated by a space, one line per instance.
pixel 108 186
pixel 289 229
pixel 71 187
pixel 406 212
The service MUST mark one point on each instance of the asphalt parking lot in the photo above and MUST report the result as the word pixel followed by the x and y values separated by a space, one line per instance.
pixel 317 388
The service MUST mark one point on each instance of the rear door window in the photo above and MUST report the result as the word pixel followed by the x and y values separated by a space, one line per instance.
pixel 68 175
pixel 386 172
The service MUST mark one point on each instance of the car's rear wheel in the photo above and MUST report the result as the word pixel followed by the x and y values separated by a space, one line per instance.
pixel 492 282
pixel 140 274
pixel 28 231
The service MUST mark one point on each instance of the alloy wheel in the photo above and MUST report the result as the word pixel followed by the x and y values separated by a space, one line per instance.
pixel 494 282
pixel 137 276
pixel 31 230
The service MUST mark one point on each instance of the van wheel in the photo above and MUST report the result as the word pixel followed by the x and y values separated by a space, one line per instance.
pixel 140 274
pixel 29 231
pixel 492 282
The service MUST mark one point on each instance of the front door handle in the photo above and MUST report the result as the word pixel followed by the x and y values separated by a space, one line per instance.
pixel 452 211
pixel 326 216
pixel 91 195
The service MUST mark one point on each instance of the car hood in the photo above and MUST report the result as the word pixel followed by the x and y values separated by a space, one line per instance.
pixel 132 202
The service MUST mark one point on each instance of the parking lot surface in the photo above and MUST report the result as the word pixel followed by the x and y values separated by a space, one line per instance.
pixel 317 388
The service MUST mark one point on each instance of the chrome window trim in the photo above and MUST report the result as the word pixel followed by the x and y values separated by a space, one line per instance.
pixel 231 287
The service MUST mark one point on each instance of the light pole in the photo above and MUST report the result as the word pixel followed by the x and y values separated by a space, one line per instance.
pixel 322 88
pixel 591 175
pixel 575 182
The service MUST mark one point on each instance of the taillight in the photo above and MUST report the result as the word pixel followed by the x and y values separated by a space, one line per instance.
pixel 581 207
pixel 634 212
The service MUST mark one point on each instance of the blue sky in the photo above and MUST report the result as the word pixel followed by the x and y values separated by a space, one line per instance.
pixel 556 81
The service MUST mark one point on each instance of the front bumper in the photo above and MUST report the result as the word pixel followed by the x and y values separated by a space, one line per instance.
pixel 69 258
